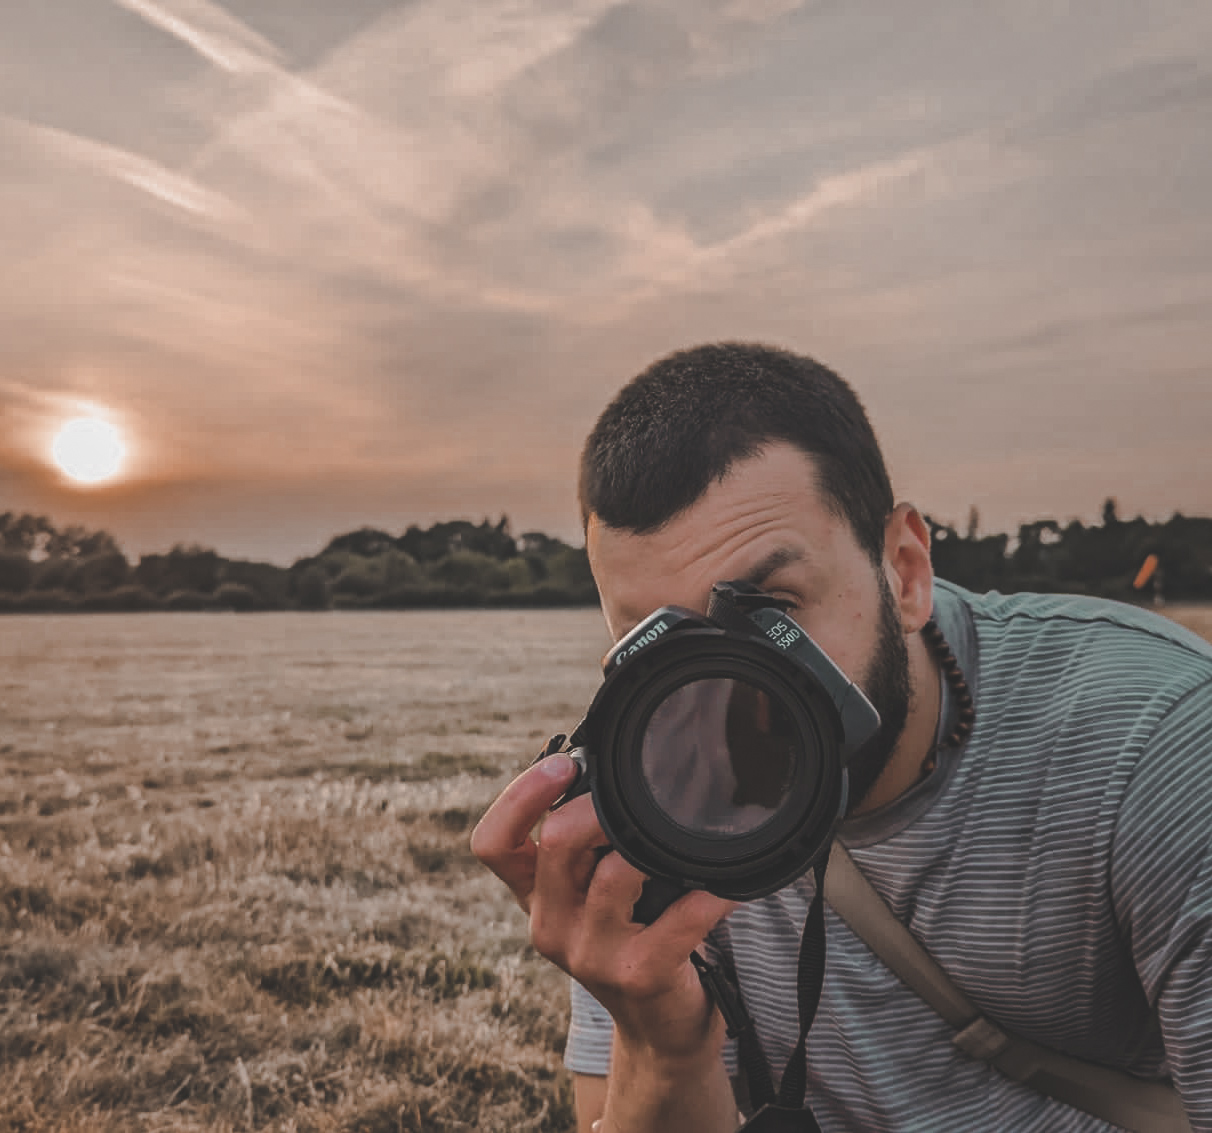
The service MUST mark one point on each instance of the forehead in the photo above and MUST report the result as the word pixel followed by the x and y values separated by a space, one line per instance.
pixel 767 514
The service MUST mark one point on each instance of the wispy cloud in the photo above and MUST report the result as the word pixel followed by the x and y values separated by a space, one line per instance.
pixel 371 184
pixel 660 264
pixel 211 31
pixel 139 172
pixel 26 397
pixel 475 48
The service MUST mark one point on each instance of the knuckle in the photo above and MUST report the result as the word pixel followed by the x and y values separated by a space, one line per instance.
pixel 481 843
pixel 612 869
pixel 546 939
pixel 615 883
pixel 557 835
pixel 581 962
pixel 632 984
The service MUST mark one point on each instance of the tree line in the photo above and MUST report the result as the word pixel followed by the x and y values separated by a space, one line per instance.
pixel 1130 560
pixel 46 569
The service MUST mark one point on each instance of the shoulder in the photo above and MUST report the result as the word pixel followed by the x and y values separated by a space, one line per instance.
pixel 1075 617
pixel 1060 648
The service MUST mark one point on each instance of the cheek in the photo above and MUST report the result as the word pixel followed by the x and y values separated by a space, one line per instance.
pixel 847 630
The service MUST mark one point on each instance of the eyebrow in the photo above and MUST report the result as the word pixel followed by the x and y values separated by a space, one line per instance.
pixel 780 557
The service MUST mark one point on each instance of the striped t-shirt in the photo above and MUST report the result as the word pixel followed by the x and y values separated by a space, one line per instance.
pixel 1058 866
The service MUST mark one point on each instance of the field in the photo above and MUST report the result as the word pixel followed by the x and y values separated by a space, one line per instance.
pixel 1198 618
pixel 235 890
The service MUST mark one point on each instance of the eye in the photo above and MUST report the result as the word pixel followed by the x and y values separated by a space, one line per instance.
pixel 792 600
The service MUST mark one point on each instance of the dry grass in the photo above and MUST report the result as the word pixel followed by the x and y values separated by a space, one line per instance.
pixel 1197 618
pixel 235 890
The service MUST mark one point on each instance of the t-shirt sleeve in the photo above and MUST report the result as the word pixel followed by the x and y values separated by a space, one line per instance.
pixel 589 1033
pixel 1162 883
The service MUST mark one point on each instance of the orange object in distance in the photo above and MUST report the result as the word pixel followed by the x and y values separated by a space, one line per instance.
pixel 1145 573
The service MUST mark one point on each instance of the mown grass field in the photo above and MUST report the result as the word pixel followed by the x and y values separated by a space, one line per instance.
pixel 235 889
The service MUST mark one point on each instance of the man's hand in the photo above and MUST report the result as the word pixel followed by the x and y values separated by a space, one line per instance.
pixel 501 839
pixel 579 895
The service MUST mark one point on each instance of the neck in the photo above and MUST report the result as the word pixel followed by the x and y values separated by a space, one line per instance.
pixel 917 740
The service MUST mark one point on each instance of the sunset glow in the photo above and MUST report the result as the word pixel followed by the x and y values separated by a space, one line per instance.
pixel 88 450
pixel 333 264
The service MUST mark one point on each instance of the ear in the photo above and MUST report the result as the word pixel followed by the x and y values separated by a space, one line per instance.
pixel 907 566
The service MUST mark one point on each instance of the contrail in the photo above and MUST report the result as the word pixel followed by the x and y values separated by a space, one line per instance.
pixel 122 165
pixel 212 32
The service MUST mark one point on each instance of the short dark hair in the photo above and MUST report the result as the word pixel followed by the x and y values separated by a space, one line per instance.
pixel 686 420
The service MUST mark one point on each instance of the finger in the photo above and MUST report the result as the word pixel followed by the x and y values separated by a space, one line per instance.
pixel 571 844
pixel 612 894
pixel 606 916
pixel 682 927
pixel 673 935
pixel 691 916
pixel 501 839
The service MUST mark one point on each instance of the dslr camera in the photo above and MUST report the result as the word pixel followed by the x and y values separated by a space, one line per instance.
pixel 715 749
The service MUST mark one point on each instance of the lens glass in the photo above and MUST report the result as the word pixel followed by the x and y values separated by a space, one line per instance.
pixel 719 755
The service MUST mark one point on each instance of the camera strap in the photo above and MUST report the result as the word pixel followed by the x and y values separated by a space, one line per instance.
pixel 1115 1096
pixel 784 1110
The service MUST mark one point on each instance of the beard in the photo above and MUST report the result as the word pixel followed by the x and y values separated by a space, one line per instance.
pixel 886 683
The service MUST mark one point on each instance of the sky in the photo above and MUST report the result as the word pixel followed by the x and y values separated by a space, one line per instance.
pixel 380 263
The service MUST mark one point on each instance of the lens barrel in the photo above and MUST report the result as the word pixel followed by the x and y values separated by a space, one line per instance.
pixel 716 760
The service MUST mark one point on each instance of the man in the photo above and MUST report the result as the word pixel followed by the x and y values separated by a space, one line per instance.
pixel 1057 861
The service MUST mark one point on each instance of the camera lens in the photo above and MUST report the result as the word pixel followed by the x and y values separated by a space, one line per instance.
pixel 718 756
pixel 715 761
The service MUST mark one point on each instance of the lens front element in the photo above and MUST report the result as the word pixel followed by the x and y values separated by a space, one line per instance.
pixel 718 756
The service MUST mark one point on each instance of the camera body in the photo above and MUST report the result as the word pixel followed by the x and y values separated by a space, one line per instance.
pixel 716 748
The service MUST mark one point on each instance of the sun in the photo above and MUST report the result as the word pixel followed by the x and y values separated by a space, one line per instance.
pixel 89 450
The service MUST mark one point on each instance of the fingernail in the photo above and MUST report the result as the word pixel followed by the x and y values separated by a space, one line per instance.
pixel 558 766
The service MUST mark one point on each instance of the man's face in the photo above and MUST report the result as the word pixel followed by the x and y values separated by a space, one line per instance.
pixel 768 523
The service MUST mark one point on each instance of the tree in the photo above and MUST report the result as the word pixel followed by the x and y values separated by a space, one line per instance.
pixel 441 539
pixel 24 534
pixel 36 537
pixel 185 567
pixel 311 588
pixel 366 541
pixel 78 542
pixel 101 572
pixel 16 572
